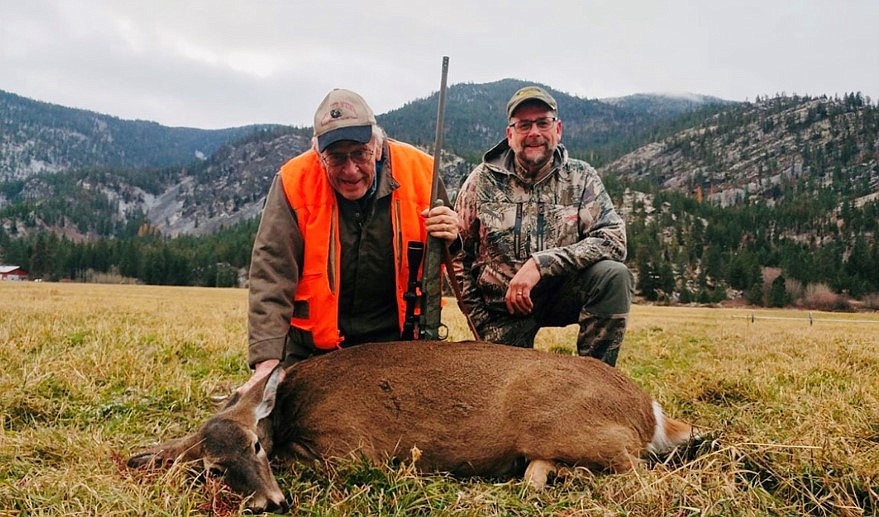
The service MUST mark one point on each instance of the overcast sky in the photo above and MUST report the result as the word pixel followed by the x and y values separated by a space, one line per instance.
pixel 224 63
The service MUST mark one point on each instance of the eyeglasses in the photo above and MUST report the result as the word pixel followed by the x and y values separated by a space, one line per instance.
pixel 524 126
pixel 360 156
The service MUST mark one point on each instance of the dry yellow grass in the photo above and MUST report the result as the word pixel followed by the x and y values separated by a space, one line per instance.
pixel 90 372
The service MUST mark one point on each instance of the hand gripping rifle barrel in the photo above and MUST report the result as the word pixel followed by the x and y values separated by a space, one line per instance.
pixel 433 254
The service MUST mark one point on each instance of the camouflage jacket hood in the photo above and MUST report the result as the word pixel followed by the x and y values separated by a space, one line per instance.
pixel 565 221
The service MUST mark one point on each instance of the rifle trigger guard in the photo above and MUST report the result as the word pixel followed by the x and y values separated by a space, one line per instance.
pixel 442 332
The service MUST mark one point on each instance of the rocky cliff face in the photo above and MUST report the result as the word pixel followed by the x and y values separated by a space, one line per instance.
pixel 227 188
pixel 231 186
pixel 755 152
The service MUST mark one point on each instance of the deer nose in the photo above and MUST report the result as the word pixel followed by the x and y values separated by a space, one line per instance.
pixel 270 506
pixel 277 507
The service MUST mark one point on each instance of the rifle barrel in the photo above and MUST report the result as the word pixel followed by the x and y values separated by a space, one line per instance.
pixel 438 140
pixel 431 283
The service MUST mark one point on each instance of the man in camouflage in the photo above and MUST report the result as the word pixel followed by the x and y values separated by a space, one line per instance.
pixel 542 243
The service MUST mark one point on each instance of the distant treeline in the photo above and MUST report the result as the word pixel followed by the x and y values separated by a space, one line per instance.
pixel 216 260
pixel 685 251
pixel 691 251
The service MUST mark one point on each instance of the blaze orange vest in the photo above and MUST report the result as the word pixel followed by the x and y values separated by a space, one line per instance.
pixel 313 199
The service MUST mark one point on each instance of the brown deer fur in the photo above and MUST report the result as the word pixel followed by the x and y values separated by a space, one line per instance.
pixel 469 408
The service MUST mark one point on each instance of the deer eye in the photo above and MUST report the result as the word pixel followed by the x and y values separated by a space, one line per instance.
pixel 257 447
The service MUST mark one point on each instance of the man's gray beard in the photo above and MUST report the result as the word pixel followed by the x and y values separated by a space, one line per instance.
pixel 532 167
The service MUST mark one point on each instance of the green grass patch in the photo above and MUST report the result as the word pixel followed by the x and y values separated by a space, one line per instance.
pixel 791 411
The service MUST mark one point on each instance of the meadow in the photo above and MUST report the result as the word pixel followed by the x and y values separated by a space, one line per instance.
pixel 92 373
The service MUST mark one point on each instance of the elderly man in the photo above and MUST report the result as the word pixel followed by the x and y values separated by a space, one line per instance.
pixel 542 243
pixel 329 265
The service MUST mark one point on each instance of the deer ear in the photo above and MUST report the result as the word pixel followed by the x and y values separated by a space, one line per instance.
pixel 164 455
pixel 147 459
pixel 269 393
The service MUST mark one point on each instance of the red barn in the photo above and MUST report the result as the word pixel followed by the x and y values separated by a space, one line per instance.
pixel 12 273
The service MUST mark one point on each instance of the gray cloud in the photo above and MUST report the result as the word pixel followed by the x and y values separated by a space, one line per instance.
pixel 227 63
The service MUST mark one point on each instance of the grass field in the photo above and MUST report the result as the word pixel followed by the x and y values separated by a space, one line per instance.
pixel 90 373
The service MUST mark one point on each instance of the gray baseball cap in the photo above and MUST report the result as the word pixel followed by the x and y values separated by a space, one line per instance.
pixel 343 115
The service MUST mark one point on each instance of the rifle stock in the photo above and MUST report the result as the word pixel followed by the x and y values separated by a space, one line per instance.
pixel 431 283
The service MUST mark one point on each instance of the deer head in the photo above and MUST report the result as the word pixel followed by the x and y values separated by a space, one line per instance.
pixel 228 446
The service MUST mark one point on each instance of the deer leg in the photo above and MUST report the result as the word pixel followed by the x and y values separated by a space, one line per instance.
pixel 538 472
pixel 623 462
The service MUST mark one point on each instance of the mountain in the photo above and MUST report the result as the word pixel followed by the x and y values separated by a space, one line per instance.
pixel 664 104
pixel 85 175
pixel 40 137
pixel 762 151
pixel 776 200
pixel 595 129
pixel 722 200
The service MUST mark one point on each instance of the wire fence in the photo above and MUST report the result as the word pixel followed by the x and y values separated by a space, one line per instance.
pixel 811 318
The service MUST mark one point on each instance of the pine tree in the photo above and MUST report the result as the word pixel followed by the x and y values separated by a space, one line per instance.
pixel 40 258
pixel 778 296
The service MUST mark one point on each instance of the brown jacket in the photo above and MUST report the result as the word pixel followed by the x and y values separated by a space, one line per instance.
pixel 368 309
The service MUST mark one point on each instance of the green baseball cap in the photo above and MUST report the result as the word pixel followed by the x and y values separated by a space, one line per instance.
pixel 530 93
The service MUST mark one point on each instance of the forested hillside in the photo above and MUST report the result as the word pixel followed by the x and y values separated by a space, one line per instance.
pixel 773 201
pixel 81 192
pixel 40 137
pixel 776 200
pixel 595 129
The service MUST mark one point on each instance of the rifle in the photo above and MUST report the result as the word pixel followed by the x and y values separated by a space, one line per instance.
pixel 431 283
pixel 414 253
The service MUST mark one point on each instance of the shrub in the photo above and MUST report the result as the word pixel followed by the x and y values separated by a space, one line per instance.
pixel 820 296
pixel 794 289
pixel 686 296
pixel 754 294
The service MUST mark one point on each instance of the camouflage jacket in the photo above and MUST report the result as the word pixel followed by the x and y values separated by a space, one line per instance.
pixel 566 221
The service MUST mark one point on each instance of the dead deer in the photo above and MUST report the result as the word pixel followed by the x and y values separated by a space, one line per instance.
pixel 470 408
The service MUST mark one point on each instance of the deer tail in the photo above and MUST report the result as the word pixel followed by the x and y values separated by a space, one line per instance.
pixel 669 433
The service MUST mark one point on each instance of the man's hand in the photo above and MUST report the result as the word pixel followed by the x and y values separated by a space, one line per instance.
pixel 441 222
pixel 260 372
pixel 518 297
